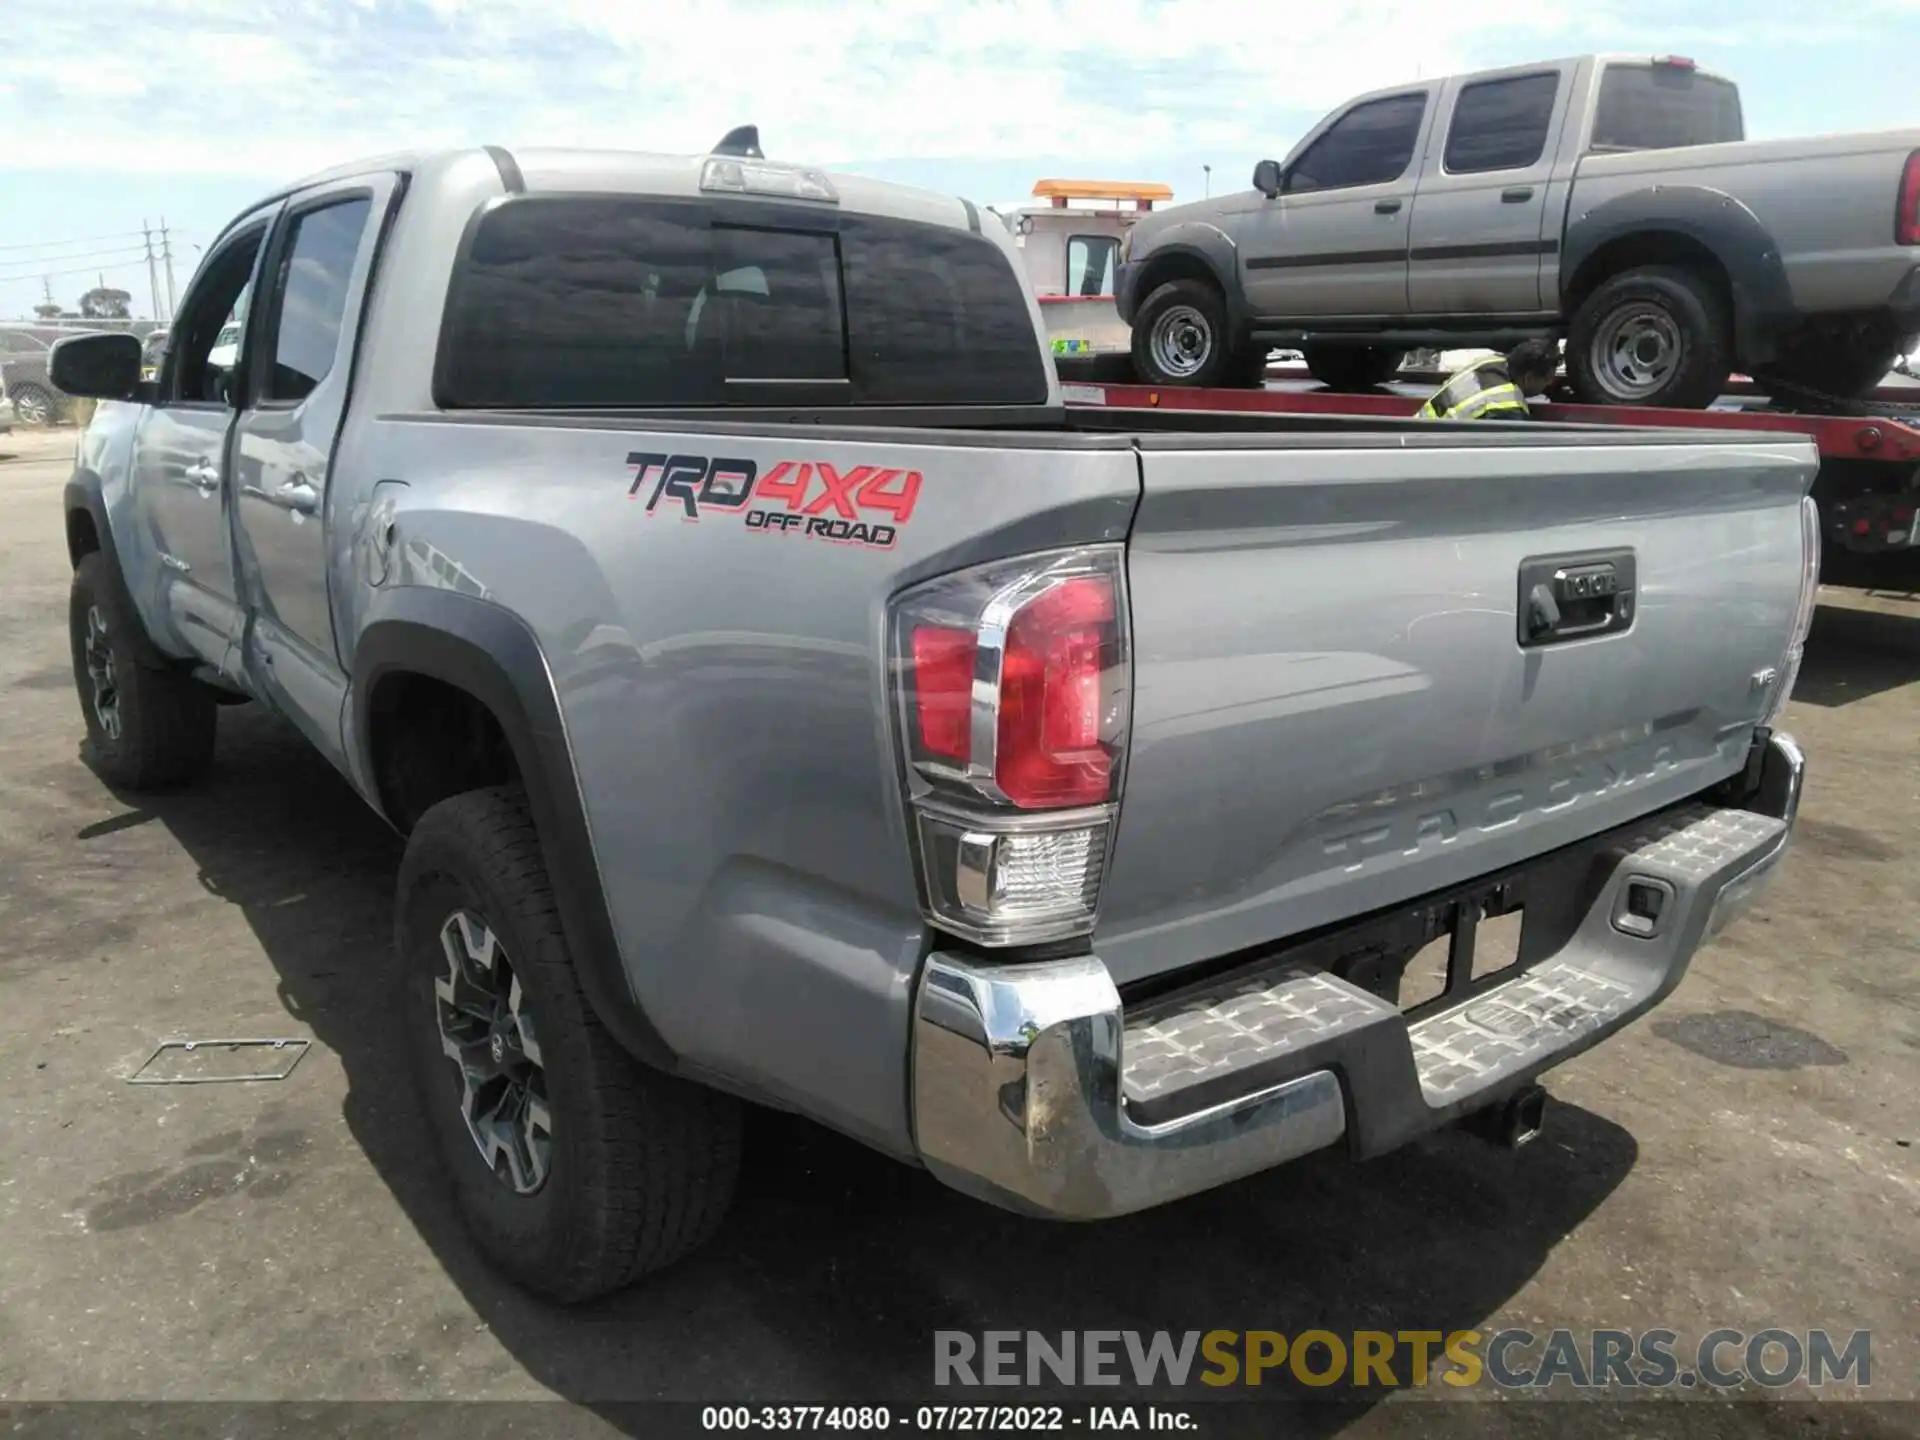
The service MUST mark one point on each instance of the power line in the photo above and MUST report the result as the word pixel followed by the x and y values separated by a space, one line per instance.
pixel 60 244
pixel 81 270
pixel 31 265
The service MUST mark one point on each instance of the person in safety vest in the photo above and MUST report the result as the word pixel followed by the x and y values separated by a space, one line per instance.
pixel 1496 389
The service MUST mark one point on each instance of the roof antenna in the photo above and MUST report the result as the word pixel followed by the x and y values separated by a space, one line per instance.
pixel 742 140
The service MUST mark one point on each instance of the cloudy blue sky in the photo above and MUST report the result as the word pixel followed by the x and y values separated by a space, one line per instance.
pixel 119 112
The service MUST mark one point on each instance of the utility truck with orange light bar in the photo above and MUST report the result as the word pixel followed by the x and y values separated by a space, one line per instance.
pixel 787 698
pixel 1611 200
pixel 1070 243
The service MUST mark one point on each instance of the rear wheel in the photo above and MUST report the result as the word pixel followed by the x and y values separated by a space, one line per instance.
pixel 1180 337
pixel 1352 367
pixel 576 1168
pixel 146 728
pixel 1250 371
pixel 1843 366
pixel 1658 335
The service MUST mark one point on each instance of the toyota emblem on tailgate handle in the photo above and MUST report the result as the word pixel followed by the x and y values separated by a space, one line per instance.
pixel 1573 597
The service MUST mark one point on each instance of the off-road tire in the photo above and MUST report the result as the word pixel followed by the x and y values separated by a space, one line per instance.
pixel 166 718
pixel 1226 361
pixel 1700 316
pixel 643 1165
pixel 1352 367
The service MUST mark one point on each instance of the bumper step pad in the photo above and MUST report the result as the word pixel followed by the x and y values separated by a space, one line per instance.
pixel 1036 1087
pixel 1258 1030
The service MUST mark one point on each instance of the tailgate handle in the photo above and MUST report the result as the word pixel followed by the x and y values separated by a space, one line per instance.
pixel 1572 597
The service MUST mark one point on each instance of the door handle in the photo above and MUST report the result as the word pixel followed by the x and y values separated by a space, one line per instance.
pixel 300 497
pixel 1386 207
pixel 1514 194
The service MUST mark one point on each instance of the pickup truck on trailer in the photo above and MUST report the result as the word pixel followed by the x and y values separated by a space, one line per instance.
pixel 1610 200
pixel 784 700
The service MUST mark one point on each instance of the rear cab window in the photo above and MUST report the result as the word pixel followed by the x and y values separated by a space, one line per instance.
pixel 591 302
pixel 1664 107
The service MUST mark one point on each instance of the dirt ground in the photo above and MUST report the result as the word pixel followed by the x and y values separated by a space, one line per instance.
pixel 1743 1158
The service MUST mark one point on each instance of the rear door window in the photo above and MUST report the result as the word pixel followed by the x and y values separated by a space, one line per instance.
pixel 313 298
pixel 1501 124
pixel 1663 107
pixel 620 302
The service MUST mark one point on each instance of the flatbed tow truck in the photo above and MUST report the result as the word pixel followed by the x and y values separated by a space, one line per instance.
pixel 1868 488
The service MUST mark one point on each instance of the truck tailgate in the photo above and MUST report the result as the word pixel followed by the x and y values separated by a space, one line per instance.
pixel 1333 707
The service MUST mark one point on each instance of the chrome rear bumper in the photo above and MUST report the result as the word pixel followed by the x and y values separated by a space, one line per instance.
pixel 1032 1090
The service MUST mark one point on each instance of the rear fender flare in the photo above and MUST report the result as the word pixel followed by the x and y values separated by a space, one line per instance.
pixel 1717 221
pixel 493 655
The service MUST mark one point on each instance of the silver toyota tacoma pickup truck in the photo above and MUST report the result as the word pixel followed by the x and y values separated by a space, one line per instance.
pixel 785 699
pixel 1612 200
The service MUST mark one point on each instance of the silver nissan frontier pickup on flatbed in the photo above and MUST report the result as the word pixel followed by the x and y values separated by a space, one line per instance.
pixel 1611 199
pixel 786 699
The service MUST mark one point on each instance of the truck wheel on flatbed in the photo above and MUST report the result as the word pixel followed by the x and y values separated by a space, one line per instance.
pixel 1658 335
pixel 1180 338
pixel 576 1168
pixel 146 728
pixel 1352 367
pixel 1835 367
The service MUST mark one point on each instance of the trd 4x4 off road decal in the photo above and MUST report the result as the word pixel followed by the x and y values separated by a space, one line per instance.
pixel 796 497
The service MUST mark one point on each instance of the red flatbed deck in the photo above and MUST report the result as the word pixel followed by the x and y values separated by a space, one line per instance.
pixel 1868 488
pixel 1839 437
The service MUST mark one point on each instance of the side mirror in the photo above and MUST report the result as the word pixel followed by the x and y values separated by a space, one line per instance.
pixel 96 367
pixel 1268 178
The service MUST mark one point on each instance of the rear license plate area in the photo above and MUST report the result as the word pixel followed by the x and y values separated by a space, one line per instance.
pixel 1478 945
pixel 1499 925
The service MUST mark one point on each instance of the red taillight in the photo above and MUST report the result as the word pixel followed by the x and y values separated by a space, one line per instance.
pixel 1049 752
pixel 1012 683
pixel 1906 220
pixel 1054 703
pixel 943 689
pixel 1675 62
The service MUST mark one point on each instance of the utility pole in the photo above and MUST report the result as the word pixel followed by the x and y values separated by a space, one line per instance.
pixel 166 254
pixel 1209 170
pixel 153 274
pixel 46 287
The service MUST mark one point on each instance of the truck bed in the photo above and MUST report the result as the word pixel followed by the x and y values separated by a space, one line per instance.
pixel 1331 711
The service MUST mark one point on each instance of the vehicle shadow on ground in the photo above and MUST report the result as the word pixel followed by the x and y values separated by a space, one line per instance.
pixel 1853 654
pixel 837 1265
